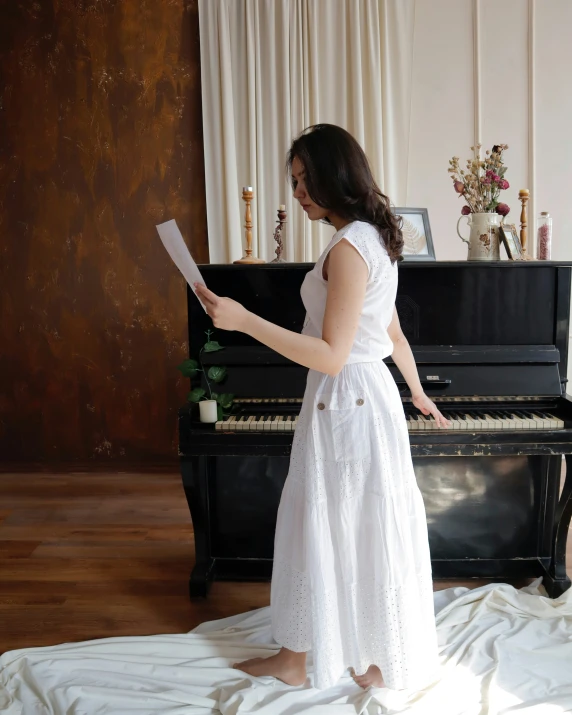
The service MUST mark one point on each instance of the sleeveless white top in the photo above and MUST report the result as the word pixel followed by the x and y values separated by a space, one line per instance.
pixel 372 341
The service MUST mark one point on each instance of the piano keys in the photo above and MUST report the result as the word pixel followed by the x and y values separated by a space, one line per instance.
pixel 486 421
pixel 491 421
pixel 491 345
pixel 258 423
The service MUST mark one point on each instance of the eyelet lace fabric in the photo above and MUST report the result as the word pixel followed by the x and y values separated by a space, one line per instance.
pixel 351 578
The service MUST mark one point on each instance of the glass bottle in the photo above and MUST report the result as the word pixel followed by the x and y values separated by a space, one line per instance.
pixel 544 236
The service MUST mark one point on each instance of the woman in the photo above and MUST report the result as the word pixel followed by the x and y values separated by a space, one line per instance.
pixel 352 574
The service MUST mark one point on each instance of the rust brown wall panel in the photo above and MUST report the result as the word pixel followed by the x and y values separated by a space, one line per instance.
pixel 100 139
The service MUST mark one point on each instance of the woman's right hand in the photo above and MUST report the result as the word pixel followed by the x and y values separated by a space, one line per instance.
pixel 225 313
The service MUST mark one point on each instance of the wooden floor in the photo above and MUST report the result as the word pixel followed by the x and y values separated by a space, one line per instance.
pixel 92 555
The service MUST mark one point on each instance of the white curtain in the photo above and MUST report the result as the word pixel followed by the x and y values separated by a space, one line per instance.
pixel 269 69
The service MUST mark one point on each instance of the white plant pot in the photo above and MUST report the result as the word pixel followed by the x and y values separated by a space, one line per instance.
pixel 484 236
pixel 208 410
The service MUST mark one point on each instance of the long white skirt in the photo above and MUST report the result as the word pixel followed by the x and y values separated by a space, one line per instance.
pixel 352 574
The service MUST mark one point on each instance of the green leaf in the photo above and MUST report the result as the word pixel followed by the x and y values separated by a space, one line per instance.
pixel 189 368
pixel 219 414
pixel 196 394
pixel 225 400
pixel 212 347
pixel 217 373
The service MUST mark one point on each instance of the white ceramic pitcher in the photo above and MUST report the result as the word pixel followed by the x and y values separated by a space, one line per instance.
pixel 484 236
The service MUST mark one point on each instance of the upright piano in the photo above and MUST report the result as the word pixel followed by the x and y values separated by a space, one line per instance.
pixel 491 344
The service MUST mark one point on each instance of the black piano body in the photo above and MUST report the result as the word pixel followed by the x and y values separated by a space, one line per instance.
pixel 491 344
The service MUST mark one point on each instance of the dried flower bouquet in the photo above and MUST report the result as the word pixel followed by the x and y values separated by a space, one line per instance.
pixel 480 185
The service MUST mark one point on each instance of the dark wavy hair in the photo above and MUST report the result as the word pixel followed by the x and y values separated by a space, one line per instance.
pixel 338 177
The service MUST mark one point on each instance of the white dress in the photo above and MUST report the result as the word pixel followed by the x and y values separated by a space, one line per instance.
pixel 351 577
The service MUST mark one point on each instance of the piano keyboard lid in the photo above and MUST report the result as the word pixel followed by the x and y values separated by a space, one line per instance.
pixel 487 371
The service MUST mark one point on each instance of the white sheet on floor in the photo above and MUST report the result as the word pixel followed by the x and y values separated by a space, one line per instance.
pixel 502 651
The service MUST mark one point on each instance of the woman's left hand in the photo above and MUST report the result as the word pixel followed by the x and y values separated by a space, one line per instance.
pixel 428 407
pixel 225 312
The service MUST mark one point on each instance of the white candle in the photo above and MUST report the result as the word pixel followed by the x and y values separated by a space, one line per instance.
pixel 247 188
pixel 208 411
pixel 282 207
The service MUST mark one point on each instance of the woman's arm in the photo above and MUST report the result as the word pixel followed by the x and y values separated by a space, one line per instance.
pixel 347 278
pixel 403 358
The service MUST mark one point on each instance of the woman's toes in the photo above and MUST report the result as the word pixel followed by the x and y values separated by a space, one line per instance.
pixel 371 677
pixel 245 663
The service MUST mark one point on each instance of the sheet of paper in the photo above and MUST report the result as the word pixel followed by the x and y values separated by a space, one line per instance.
pixel 177 249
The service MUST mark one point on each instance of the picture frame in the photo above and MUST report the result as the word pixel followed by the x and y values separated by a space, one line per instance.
pixel 418 241
pixel 511 241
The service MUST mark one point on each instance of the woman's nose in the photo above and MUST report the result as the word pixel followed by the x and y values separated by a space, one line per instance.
pixel 299 192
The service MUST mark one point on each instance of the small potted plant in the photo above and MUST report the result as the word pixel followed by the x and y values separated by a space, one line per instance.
pixel 215 406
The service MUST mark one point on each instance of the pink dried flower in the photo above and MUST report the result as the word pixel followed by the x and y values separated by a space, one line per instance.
pixel 495 178
pixel 459 187
pixel 465 211
pixel 487 180
pixel 503 184
pixel 503 209
pixel 490 174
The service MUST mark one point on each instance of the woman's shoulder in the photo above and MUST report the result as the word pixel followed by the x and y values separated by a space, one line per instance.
pixel 358 228
pixel 364 236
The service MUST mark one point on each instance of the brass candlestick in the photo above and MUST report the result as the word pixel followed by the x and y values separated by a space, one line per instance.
pixel 247 195
pixel 523 196
pixel 278 234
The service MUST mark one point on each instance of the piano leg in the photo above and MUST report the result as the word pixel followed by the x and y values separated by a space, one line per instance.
pixel 194 475
pixel 556 581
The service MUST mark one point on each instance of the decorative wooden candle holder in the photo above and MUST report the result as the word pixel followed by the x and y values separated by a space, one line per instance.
pixel 247 195
pixel 278 234
pixel 523 196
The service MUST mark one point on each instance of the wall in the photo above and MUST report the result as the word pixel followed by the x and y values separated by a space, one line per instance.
pixel 495 70
pixel 100 139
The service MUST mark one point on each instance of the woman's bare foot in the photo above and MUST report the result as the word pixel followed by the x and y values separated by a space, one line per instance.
pixel 372 676
pixel 286 665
